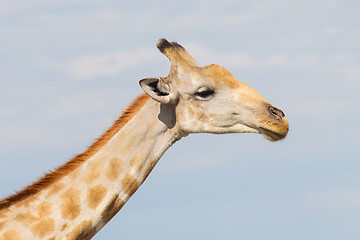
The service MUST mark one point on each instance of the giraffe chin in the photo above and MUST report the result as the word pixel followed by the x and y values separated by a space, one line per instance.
pixel 272 135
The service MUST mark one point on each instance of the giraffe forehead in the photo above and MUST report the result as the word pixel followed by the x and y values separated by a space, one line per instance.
pixel 220 76
pixel 213 75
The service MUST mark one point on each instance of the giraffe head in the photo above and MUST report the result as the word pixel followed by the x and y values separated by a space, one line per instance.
pixel 210 100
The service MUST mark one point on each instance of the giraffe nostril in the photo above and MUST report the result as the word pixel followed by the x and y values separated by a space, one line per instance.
pixel 276 113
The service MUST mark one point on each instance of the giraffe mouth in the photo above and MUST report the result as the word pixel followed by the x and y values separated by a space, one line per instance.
pixel 275 131
pixel 272 135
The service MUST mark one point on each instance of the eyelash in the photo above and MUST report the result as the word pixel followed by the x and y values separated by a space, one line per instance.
pixel 204 93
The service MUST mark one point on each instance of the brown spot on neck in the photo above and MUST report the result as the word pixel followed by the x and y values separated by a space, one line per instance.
pixel 112 208
pixel 114 169
pixel 71 205
pixel 95 195
pixel 92 171
pixel 63 170
pixel 2 225
pixel 44 209
pixel 26 218
pixel 44 228
pixel 10 235
pixel 129 184
pixel 83 231
pixel 64 227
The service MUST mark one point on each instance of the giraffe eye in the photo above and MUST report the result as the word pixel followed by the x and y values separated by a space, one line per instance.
pixel 202 93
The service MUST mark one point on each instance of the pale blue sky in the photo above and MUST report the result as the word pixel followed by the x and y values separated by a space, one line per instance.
pixel 68 69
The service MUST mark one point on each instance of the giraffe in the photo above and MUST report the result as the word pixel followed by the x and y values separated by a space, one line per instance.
pixel 78 198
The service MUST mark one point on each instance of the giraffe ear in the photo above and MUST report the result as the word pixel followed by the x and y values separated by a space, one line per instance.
pixel 158 90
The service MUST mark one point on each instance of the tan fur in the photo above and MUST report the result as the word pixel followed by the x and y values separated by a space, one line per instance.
pixel 221 75
pixel 52 177
pixel 95 195
pixel 2 225
pixel 71 205
pixel 148 170
pixel 26 202
pixel 3 213
pixel 136 163
pixel 55 188
pixel 26 218
pixel 184 54
pixel 64 227
pixel 112 208
pixel 129 184
pixel 10 235
pixel 93 172
pixel 44 227
pixel 82 231
pixel 44 209
pixel 114 169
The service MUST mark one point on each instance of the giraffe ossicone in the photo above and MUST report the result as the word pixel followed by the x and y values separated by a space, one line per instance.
pixel 78 198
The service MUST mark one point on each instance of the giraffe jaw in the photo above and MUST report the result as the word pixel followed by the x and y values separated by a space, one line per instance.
pixel 272 136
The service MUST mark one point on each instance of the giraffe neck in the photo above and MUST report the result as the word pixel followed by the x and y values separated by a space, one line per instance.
pixel 79 204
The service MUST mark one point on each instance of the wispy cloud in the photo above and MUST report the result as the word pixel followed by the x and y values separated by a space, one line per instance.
pixel 336 199
pixel 105 65
pixel 351 74
pixel 108 64
pixel 14 6
pixel 248 60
